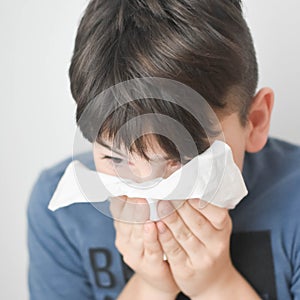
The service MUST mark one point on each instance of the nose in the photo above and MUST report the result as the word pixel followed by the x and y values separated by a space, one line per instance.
pixel 144 171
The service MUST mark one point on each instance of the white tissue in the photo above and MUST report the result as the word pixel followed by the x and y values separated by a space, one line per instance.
pixel 211 176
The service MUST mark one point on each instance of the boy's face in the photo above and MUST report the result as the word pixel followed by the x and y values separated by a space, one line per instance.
pixel 134 167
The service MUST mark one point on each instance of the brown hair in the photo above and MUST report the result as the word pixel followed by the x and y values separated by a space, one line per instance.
pixel 205 44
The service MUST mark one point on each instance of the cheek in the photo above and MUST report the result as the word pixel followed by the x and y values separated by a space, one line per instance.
pixel 237 145
pixel 107 167
pixel 104 166
pixel 236 139
pixel 238 156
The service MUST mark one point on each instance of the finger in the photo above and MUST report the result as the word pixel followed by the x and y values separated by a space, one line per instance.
pixel 123 233
pixel 116 205
pixel 129 212
pixel 130 245
pixel 141 210
pixel 136 240
pixel 129 235
pixel 134 210
pixel 176 255
pixel 217 216
pixel 167 210
pixel 121 208
pixel 140 213
pixel 198 224
pixel 152 249
pixel 181 232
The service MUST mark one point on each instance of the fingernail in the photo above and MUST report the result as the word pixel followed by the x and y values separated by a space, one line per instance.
pixel 161 227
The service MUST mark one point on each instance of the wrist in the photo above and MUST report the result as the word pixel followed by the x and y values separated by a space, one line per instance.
pixel 156 293
pixel 232 286
pixel 143 290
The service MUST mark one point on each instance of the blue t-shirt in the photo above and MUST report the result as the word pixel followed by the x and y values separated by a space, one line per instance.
pixel 73 256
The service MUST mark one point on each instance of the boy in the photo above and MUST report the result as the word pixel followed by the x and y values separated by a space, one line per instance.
pixel 78 253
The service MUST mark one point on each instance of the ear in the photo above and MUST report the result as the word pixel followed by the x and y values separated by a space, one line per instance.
pixel 259 118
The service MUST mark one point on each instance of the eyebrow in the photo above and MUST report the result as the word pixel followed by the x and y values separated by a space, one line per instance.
pixel 102 143
pixel 99 141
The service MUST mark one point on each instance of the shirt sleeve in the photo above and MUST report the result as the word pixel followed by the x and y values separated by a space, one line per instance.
pixel 55 269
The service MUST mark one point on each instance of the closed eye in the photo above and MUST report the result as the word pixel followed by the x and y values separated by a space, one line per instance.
pixel 115 160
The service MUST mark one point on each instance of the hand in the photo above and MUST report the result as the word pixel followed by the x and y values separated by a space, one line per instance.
pixel 196 242
pixel 137 241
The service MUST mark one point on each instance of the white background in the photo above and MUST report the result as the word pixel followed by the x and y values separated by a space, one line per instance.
pixel 38 112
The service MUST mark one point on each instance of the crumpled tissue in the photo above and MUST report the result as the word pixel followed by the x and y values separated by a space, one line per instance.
pixel 211 176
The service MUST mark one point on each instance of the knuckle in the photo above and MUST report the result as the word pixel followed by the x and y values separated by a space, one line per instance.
pixel 220 248
pixel 174 252
pixel 152 254
pixel 149 252
pixel 222 219
pixel 136 200
pixel 200 221
pixel 168 243
pixel 172 218
pixel 208 262
pixel 183 236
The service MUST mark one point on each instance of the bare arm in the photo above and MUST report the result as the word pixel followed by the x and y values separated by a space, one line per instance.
pixel 137 288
